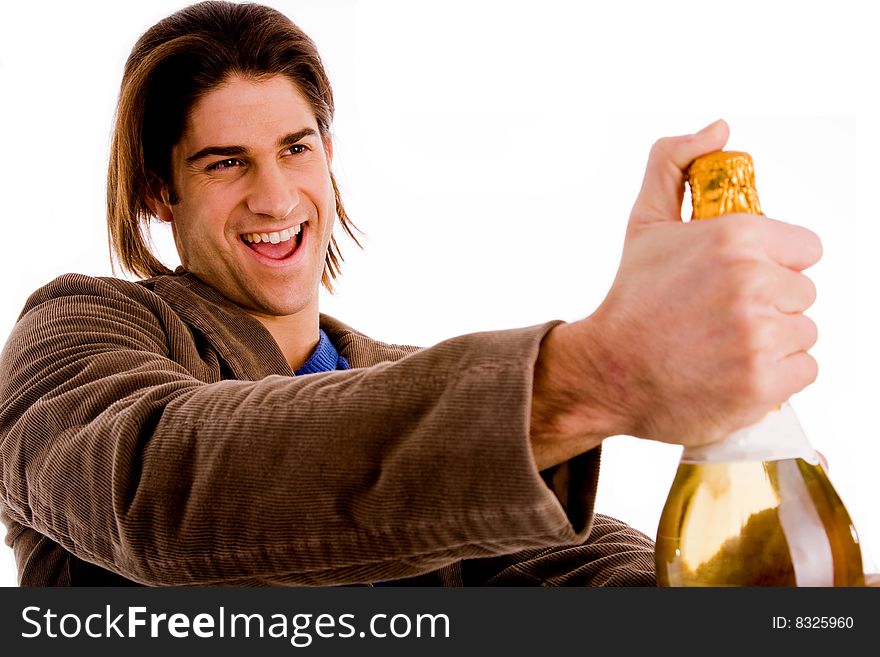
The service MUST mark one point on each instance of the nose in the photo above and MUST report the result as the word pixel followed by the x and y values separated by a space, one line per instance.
pixel 272 193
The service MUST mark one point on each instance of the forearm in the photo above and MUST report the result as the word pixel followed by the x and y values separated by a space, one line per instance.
pixel 350 476
pixel 578 398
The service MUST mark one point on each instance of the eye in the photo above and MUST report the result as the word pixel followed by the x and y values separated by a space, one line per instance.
pixel 298 149
pixel 224 164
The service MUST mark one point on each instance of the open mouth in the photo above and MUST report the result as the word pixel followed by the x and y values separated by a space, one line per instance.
pixel 277 245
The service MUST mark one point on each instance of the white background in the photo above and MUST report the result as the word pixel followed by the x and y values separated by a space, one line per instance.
pixel 491 153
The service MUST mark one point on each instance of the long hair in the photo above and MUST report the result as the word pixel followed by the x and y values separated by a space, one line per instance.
pixel 174 64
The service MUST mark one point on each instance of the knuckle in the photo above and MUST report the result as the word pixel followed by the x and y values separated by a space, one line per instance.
pixel 725 236
pixel 752 333
pixel 747 281
pixel 820 249
pixel 811 331
pixel 810 291
pixel 661 146
pixel 741 320
pixel 807 243
pixel 754 380
pixel 812 369
pixel 762 334
pixel 734 240
pixel 664 149
pixel 805 374
pixel 814 242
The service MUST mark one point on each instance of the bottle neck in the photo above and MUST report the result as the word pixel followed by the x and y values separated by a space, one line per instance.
pixel 777 437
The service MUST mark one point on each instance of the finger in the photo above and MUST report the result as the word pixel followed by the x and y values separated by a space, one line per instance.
pixel 794 292
pixel 794 333
pixel 663 185
pixel 794 373
pixel 792 246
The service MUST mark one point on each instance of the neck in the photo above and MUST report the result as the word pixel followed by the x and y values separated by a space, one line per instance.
pixel 296 335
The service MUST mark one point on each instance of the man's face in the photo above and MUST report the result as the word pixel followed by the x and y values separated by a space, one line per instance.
pixel 255 203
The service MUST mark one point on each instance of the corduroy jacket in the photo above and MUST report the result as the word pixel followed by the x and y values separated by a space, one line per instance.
pixel 152 433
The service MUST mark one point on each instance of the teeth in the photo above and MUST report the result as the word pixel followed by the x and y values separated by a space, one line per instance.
pixel 274 238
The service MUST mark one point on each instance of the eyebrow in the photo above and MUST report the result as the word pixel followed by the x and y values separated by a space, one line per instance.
pixel 228 151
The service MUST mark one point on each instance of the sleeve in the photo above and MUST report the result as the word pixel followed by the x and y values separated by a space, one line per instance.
pixel 113 448
pixel 614 554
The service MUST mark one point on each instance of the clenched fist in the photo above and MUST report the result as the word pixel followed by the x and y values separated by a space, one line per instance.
pixel 702 332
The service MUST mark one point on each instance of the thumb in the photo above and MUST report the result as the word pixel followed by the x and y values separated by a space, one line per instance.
pixel 663 186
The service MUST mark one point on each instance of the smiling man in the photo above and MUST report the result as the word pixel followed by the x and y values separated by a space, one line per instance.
pixel 208 425
pixel 253 206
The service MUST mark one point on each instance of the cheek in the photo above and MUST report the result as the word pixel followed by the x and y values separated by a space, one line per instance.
pixel 325 202
pixel 198 232
pixel 206 210
pixel 329 195
pixel 329 221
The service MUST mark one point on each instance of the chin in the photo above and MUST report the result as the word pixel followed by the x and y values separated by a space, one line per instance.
pixel 278 299
pixel 290 306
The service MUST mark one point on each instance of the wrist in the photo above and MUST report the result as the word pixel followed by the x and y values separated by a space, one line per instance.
pixel 576 400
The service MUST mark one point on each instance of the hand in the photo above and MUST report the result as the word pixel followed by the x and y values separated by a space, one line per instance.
pixel 703 330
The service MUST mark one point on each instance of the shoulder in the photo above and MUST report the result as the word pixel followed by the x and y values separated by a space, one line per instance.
pixel 361 350
pixel 159 294
pixel 75 290
pixel 98 305
pixel 80 309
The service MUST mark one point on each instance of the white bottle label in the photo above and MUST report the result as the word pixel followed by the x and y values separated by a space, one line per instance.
pixel 777 437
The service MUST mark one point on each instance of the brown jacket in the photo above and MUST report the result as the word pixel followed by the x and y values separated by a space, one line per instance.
pixel 152 433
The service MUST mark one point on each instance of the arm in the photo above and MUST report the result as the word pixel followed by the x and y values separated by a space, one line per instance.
pixel 113 448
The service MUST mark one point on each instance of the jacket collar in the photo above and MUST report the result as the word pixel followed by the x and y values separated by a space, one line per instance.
pixel 244 343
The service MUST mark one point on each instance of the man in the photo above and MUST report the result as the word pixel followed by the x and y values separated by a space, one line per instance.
pixel 209 425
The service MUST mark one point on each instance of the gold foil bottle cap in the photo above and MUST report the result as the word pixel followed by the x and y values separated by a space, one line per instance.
pixel 723 182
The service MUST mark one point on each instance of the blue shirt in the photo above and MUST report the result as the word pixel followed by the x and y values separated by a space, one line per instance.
pixel 325 358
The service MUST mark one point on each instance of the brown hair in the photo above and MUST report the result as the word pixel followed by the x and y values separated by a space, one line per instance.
pixel 174 64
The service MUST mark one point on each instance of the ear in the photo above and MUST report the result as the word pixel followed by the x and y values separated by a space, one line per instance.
pixel 328 149
pixel 159 202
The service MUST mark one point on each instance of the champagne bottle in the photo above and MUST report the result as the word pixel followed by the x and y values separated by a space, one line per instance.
pixel 757 508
